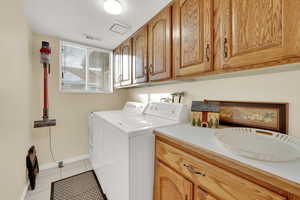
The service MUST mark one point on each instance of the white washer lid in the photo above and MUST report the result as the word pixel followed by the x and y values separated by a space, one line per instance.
pixel 136 125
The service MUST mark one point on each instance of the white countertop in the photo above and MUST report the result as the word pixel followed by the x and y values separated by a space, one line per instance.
pixel 204 138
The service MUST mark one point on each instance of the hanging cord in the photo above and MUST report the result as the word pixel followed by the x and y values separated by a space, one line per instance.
pixel 50 145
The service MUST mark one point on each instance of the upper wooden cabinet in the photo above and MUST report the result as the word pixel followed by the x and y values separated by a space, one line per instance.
pixel 139 56
pixel 199 37
pixel 159 46
pixel 126 64
pixel 170 185
pixel 257 32
pixel 117 67
pixel 192 36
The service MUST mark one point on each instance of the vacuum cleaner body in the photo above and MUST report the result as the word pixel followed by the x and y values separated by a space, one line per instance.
pixel 45 60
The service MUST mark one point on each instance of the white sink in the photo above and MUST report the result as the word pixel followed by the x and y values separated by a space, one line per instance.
pixel 259 144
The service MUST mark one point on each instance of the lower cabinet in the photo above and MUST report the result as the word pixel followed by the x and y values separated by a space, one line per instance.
pixel 170 185
pixel 202 195
pixel 183 176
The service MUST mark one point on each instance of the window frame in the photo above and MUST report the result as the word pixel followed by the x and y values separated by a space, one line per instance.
pixel 86 90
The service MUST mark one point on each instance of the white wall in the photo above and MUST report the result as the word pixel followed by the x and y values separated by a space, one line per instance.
pixel 279 84
pixel 70 136
pixel 15 98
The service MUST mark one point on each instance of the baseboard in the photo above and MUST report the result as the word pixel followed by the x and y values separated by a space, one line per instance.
pixel 66 161
pixel 25 190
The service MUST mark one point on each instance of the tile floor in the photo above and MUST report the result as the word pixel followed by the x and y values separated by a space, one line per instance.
pixel 46 177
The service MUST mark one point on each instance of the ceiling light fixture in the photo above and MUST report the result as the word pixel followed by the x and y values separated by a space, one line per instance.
pixel 113 7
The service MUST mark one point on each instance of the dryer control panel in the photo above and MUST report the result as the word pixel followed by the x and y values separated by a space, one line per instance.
pixel 134 107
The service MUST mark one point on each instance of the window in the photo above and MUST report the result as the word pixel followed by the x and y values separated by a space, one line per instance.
pixel 85 69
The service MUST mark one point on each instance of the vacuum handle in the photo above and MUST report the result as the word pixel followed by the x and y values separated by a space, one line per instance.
pixel 45 109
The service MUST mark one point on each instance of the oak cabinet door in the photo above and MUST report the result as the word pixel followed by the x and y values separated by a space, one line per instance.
pixel 217 181
pixel 192 36
pixel 139 56
pixel 171 186
pixel 117 67
pixel 202 195
pixel 126 53
pixel 257 31
pixel 160 46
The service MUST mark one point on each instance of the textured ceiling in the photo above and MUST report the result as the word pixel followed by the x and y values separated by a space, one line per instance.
pixel 71 19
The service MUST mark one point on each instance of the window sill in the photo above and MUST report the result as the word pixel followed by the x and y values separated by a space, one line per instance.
pixel 85 91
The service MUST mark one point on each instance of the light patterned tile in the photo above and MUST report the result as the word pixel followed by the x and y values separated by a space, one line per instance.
pixel 73 172
pixel 74 165
pixel 46 177
pixel 43 181
pixel 88 165
pixel 73 169
pixel 45 195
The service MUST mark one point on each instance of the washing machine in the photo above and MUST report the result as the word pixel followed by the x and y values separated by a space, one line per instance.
pixel 122 150
pixel 129 109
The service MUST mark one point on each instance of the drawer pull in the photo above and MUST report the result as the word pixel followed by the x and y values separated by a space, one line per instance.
pixel 151 69
pixel 192 170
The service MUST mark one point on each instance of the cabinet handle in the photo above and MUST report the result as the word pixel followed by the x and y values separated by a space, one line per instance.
pixel 193 171
pixel 207 52
pixel 225 47
pixel 151 69
pixel 186 197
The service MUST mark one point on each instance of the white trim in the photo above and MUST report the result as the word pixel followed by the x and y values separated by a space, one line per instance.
pixel 66 161
pixel 86 91
pixel 83 46
pixel 88 48
pixel 23 196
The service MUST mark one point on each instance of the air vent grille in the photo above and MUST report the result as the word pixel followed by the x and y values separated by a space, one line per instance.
pixel 119 28
pixel 89 37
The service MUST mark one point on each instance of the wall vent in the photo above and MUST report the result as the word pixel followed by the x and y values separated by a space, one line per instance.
pixel 119 28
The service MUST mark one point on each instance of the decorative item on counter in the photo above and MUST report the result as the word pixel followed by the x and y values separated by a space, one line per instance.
pixel 177 97
pixel 173 98
pixel 271 116
pixel 166 100
pixel 205 114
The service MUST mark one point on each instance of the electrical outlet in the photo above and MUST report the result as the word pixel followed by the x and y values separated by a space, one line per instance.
pixel 60 164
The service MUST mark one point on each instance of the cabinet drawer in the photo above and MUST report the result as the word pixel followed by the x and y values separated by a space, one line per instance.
pixel 215 180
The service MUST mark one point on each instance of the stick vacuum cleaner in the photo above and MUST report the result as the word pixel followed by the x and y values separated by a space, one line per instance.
pixel 45 60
